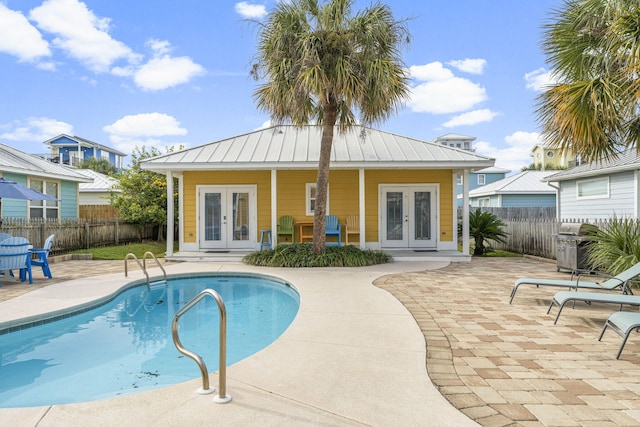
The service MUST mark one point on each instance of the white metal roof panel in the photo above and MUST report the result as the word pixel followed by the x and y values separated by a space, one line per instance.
pixel 16 161
pixel 527 182
pixel 299 147
pixel 100 183
pixel 628 160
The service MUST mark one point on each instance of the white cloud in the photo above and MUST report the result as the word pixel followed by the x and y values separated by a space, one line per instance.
pixel 248 10
pixel 472 118
pixel 430 72
pixel 471 66
pixel 144 130
pixel 19 38
pixel 540 79
pixel 34 129
pixel 515 155
pixel 442 92
pixel 81 34
pixel 146 124
pixel 165 71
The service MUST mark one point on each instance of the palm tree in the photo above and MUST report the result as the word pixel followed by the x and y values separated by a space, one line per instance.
pixel 485 226
pixel 593 47
pixel 322 64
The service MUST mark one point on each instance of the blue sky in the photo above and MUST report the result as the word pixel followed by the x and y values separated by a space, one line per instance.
pixel 166 73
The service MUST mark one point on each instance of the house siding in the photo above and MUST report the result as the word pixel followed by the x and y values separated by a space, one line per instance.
pixel 69 199
pixel 528 200
pixel 13 207
pixel 620 202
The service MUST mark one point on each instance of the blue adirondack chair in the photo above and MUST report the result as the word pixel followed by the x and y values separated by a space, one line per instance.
pixel 333 229
pixel 42 255
pixel 14 255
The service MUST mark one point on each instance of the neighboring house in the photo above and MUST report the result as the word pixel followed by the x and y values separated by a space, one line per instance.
pixel 402 189
pixel 481 178
pixel 100 191
pixel 525 189
pixel 545 157
pixel 54 180
pixel 599 190
pixel 71 150
pixel 455 140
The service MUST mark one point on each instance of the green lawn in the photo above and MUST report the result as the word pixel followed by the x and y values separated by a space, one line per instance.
pixel 120 252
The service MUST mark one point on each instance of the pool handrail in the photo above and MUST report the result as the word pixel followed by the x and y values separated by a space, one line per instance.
pixel 143 265
pixel 222 397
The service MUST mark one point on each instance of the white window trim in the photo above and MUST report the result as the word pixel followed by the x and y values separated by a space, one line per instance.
pixel 484 179
pixel 308 187
pixel 598 196
pixel 484 202
pixel 42 204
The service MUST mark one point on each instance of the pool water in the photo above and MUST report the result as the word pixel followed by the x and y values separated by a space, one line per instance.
pixel 125 346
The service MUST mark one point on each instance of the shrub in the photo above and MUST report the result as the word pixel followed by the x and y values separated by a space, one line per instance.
pixel 485 226
pixel 615 247
pixel 301 255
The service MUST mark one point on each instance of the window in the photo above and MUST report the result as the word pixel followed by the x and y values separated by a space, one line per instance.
pixel 482 179
pixel 597 188
pixel 485 202
pixel 459 179
pixel 44 208
pixel 311 198
pixel 549 153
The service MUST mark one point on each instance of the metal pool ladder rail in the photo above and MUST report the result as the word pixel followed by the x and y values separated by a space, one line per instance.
pixel 222 397
pixel 143 266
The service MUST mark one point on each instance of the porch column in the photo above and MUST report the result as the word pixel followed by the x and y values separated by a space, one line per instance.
pixel 170 214
pixel 274 207
pixel 465 212
pixel 361 210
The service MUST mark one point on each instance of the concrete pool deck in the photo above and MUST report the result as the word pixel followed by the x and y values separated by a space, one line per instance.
pixel 353 356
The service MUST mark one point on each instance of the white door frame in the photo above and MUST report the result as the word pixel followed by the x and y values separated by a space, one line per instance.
pixel 226 240
pixel 408 239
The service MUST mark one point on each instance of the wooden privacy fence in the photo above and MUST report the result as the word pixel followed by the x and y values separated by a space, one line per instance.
pixel 535 236
pixel 73 234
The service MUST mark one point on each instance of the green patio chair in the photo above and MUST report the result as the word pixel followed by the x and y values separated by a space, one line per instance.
pixel 285 227
pixel 622 323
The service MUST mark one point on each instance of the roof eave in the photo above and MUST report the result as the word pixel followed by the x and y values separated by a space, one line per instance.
pixel 158 167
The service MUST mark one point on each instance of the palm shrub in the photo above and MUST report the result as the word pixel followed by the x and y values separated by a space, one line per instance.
pixel 485 226
pixel 616 246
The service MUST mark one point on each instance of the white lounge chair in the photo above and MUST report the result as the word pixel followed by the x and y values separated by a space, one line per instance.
pixel 563 297
pixel 622 323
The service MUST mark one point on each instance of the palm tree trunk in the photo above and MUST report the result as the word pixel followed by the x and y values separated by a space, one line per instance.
pixel 322 183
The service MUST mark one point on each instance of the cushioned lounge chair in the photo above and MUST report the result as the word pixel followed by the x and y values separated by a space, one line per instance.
pixel 618 282
pixel 563 297
pixel 622 323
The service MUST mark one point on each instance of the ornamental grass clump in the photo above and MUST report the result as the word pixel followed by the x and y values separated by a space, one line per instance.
pixel 301 255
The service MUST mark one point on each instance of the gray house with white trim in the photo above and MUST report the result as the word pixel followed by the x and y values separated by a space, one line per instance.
pixel 599 190
pixel 523 190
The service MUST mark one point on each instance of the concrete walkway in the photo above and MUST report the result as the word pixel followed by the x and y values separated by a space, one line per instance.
pixel 355 355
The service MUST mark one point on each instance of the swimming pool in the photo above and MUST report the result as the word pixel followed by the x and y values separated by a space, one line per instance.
pixel 125 346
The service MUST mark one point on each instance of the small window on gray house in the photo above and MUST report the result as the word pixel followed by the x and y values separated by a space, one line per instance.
pixel 597 188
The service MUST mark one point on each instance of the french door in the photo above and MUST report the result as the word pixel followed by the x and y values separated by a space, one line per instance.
pixel 227 217
pixel 408 217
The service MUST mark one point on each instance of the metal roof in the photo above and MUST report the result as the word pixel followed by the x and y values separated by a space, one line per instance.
pixel 527 182
pixel 290 147
pixel 100 184
pixel 16 161
pixel 626 161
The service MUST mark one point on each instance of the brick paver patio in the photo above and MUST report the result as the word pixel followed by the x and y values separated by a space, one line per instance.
pixel 505 364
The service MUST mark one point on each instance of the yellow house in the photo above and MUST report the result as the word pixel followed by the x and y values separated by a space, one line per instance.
pixel 402 190
pixel 545 157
